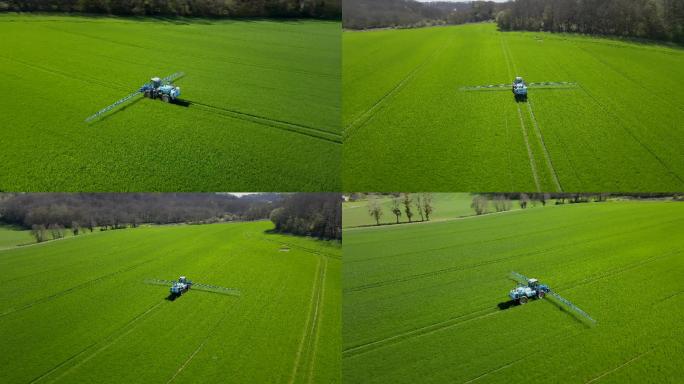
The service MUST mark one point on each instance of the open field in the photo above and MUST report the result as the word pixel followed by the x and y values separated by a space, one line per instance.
pixel 11 237
pixel 408 126
pixel 428 303
pixel 262 113
pixel 446 206
pixel 78 310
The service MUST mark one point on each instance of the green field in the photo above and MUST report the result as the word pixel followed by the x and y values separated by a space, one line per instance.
pixel 79 311
pixel 11 237
pixel 409 127
pixel 428 303
pixel 264 112
pixel 446 206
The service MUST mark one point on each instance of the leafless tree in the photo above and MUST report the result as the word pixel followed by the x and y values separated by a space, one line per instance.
pixel 396 207
pixel 374 209
pixel 407 206
pixel 480 204
pixel 427 205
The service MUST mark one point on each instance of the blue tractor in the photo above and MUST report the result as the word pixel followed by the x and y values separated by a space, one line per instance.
pixel 181 286
pixel 533 290
pixel 158 89
pixel 519 89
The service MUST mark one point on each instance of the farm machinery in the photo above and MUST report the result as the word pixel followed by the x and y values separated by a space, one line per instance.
pixel 530 288
pixel 183 285
pixel 519 87
pixel 157 88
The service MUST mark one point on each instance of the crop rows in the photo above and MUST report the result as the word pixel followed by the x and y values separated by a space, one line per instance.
pixel 274 89
pixel 616 129
pixel 414 319
pixel 86 312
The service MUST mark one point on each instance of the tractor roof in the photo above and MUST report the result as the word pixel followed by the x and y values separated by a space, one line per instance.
pixel 532 280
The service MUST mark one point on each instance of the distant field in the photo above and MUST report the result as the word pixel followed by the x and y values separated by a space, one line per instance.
pixel 11 237
pixel 79 310
pixel 263 113
pixel 428 303
pixel 408 126
pixel 446 206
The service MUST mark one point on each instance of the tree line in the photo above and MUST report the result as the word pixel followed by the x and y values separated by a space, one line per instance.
pixel 325 9
pixel 652 19
pixel 499 202
pixel 50 215
pixel 412 205
pixel 364 14
pixel 310 214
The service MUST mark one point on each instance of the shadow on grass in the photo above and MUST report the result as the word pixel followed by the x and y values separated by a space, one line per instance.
pixel 507 304
pixel 171 297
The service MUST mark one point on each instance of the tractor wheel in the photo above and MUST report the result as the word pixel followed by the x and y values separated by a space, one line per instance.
pixel 165 98
pixel 541 294
pixel 147 94
pixel 523 300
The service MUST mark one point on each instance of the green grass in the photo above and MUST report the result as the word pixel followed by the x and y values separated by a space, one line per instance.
pixel 79 311
pixel 446 206
pixel 409 127
pixel 12 237
pixel 421 302
pixel 264 112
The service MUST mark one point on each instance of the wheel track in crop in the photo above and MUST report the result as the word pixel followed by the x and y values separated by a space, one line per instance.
pixel 418 332
pixel 307 345
pixel 626 363
pixel 316 133
pixel 73 289
pixel 530 155
pixel 510 63
pixel 362 119
pixel 631 134
pixel 70 76
pixel 547 157
pixel 105 343
pixel 623 125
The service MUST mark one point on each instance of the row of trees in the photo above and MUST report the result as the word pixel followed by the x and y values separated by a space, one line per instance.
pixel 653 19
pixel 50 215
pixel 411 205
pixel 364 14
pixel 310 214
pixel 330 9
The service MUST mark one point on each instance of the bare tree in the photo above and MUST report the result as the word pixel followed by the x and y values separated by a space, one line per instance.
pixel 374 209
pixel 407 206
pixel 75 228
pixel 419 206
pixel 39 232
pixel 427 205
pixel 524 199
pixel 480 204
pixel 396 207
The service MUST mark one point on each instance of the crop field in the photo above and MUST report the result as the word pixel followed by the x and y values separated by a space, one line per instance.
pixel 261 107
pixel 428 303
pixel 446 206
pixel 409 126
pixel 79 310
pixel 11 237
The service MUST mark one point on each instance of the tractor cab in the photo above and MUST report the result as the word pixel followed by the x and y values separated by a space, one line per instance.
pixel 182 279
pixel 519 88
pixel 156 82
pixel 532 283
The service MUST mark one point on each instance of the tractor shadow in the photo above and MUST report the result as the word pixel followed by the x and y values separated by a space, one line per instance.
pixel 182 103
pixel 171 297
pixel 507 304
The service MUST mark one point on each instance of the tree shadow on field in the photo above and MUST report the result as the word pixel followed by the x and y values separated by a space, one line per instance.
pixel 507 304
